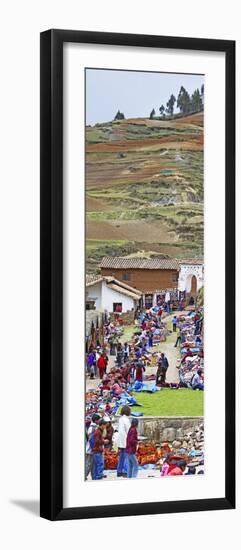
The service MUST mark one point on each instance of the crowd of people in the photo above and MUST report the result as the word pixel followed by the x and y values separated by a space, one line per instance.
pixel 100 436
pixel 117 382
pixel 190 341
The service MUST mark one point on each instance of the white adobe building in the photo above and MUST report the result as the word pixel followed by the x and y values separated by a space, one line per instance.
pixel 191 276
pixel 109 294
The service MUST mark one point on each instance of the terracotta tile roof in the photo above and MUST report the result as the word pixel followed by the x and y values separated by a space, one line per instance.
pixel 139 263
pixel 191 261
pixel 113 283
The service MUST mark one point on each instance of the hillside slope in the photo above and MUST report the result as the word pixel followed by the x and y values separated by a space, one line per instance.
pixel 144 188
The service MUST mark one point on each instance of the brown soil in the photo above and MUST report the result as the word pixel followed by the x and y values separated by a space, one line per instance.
pixel 95 205
pixel 140 144
pixel 131 230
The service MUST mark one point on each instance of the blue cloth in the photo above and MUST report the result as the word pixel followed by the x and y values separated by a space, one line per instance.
pixel 139 386
pixel 126 399
pixel 196 453
pixel 132 465
pixel 122 462
pixel 135 413
pixel 98 465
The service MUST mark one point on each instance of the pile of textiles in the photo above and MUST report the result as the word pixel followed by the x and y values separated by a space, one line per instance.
pixel 110 459
pixel 191 346
pixel 147 454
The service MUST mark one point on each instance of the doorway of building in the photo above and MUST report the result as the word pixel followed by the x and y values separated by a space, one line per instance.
pixel 193 291
pixel 148 301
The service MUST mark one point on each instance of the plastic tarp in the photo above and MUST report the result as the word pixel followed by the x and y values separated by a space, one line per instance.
pixel 140 386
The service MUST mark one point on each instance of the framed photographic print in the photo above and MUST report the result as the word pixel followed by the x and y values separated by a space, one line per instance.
pixel 137 274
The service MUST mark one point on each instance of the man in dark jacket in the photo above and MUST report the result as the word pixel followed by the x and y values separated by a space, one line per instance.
pixel 164 367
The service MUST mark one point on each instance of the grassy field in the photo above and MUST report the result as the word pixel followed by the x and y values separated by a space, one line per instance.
pixel 144 188
pixel 170 402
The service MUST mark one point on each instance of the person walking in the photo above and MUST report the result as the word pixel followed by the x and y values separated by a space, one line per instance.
pixel 91 362
pixel 139 371
pixel 89 458
pixel 174 323
pixel 119 355
pixel 150 339
pixel 164 367
pixel 123 429
pixel 101 364
pixel 178 340
pixel 126 351
pixel 131 448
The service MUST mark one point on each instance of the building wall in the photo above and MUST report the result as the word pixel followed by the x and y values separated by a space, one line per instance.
pixel 146 280
pixel 186 274
pixel 106 296
pixel 110 296
pixel 95 292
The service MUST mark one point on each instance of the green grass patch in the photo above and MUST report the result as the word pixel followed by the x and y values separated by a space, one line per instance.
pixel 170 402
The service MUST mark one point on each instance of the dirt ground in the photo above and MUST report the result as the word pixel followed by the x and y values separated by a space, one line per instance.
pixel 132 230
pixel 167 347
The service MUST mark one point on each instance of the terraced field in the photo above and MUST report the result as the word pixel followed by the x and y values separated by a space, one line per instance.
pixel 144 188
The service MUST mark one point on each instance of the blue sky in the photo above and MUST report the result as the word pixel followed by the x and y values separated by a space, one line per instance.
pixel 133 93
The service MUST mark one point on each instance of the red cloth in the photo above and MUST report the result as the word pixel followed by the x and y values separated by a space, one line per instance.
pixel 132 440
pixel 101 364
pixel 98 441
pixel 174 470
pixel 139 374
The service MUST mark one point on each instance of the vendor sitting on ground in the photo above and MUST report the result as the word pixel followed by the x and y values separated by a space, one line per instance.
pixel 197 381
pixel 177 469
pixel 117 389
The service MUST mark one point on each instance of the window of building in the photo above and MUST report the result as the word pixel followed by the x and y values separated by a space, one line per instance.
pixel 117 307
pixel 126 277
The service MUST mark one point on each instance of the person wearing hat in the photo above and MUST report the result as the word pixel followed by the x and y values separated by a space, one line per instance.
pixel 89 462
pixel 177 469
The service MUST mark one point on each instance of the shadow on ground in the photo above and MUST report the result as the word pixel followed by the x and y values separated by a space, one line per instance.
pixel 31 506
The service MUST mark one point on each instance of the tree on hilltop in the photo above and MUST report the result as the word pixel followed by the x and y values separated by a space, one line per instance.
pixel 162 110
pixel 170 105
pixel 202 97
pixel 152 113
pixel 196 100
pixel 119 116
pixel 183 101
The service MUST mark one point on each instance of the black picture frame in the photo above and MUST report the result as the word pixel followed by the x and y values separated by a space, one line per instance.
pixel 51 322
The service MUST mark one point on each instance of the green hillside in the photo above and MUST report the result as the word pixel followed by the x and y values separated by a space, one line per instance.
pixel 144 188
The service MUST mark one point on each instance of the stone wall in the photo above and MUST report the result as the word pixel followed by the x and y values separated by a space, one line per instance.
pixel 186 431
